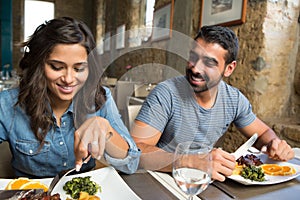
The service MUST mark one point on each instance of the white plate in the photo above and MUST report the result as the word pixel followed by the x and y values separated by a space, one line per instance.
pixel 112 185
pixel 269 179
pixel 297 153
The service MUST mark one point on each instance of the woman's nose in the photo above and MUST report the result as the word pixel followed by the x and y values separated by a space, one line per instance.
pixel 68 76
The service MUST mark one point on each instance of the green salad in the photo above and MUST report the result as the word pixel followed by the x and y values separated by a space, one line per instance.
pixel 253 173
pixel 81 184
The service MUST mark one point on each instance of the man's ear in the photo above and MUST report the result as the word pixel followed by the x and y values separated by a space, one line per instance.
pixel 229 69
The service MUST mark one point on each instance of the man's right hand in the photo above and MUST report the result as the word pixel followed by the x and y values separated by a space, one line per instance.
pixel 223 164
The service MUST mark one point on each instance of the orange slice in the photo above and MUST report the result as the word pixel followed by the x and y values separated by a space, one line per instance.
pixel 271 169
pixel 287 170
pixel 34 185
pixel 277 170
pixel 16 183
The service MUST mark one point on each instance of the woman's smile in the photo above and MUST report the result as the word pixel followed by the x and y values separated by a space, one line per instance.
pixel 66 89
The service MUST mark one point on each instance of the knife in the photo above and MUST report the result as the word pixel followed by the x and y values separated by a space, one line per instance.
pixel 242 149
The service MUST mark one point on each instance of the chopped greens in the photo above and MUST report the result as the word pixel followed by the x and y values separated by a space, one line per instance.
pixel 253 173
pixel 81 184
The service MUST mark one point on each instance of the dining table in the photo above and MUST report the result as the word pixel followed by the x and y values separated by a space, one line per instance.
pixel 154 185
pixel 146 186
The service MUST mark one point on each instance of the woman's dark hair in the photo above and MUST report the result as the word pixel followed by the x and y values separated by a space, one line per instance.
pixel 222 36
pixel 34 95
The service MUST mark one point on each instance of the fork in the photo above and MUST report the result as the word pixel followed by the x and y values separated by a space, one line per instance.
pixel 256 151
pixel 62 174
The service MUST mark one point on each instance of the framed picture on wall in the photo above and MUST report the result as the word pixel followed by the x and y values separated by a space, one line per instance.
pixel 162 22
pixel 225 13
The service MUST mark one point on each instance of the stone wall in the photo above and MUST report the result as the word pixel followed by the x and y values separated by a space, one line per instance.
pixel 268 67
pixel 268 57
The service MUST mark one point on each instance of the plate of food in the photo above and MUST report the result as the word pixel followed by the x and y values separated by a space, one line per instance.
pixel 258 169
pixel 105 182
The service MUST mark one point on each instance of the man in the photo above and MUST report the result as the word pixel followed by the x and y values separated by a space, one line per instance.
pixel 200 106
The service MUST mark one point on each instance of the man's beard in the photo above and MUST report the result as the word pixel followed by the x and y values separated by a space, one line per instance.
pixel 209 84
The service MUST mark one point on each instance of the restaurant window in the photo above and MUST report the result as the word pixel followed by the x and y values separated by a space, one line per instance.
pixel 149 12
pixel 149 16
pixel 36 13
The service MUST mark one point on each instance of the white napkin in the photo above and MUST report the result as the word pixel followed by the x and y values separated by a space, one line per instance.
pixel 168 182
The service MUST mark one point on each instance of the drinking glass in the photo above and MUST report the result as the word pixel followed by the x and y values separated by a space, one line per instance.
pixel 192 167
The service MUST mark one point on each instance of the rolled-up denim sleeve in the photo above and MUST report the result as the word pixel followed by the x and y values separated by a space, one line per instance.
pixel 110 112
pixel 129 164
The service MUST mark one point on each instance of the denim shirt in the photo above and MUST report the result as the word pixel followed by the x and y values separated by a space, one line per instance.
pixel 58 151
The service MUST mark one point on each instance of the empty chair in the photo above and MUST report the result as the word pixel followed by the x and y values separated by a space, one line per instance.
pixel 142 90
pixel 6 170
pixel 132 110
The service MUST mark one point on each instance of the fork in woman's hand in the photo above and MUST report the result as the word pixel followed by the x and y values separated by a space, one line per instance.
pixel 62 174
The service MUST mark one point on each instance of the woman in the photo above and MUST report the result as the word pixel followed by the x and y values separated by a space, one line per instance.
pixel 60 113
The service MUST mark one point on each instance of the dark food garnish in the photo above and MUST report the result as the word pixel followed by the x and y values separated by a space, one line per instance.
pixel 249 160
pixel 31 195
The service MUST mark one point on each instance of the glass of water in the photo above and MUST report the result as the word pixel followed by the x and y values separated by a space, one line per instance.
pixel 192 167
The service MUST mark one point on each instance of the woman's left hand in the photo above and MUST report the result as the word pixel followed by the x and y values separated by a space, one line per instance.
pixel 90 138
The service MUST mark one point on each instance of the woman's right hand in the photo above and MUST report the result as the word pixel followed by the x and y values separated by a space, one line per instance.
pixel 90 138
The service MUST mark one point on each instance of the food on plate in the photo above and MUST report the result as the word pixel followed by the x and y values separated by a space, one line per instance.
pixel 16 183
pixel 34 185
pixel 253 173
pixel 76 185
pixel 86 196
pixel 251 167
pixel 246 161
pixel 238 169
pixel 34 195
pixel 278 170
pixel 25 183
pixel 249 160
pixel 248 166
pixel 41 196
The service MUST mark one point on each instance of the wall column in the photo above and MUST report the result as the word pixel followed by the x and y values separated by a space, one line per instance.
pixel 6 36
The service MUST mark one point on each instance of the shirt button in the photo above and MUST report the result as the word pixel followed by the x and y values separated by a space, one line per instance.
pixel 64 123
pixel 61 143
pixel 30 151
pixel 65 164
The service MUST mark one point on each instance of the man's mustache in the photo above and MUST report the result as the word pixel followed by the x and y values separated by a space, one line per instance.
pixel 199 75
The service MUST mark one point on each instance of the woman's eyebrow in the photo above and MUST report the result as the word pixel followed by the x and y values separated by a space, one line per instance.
pixel 63 63
pixel 55 61
pixel 81 63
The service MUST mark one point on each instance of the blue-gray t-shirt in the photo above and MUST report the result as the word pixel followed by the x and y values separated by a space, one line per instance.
pixel 172 109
